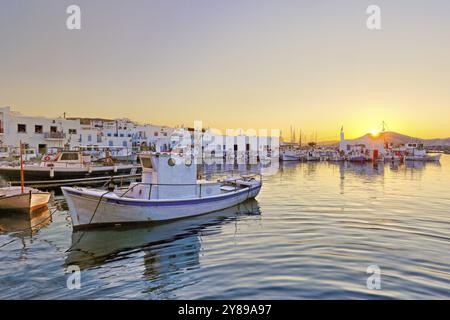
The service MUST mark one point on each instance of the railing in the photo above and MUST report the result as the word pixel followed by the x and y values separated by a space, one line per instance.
pixel 54 135
pixel 243 177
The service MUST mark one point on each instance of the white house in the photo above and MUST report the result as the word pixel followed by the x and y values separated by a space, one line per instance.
pixel 36 132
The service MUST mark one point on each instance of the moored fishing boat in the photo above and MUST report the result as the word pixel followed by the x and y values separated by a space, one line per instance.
pixel 290 151
pixel 312 155
pixel 66 168
pixel 416 152
pixel 16 199
pixel 169 190
pixel 20 198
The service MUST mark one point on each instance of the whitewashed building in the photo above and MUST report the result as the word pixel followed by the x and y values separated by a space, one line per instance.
pixel 39 133
pixel 43 134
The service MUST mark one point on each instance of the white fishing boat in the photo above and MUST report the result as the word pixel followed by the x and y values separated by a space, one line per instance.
pixel 336 156
pixel 290 151
pixel 312 155
pixel 169 190
pixel 392 156
pixel 289 156
pixel 416 152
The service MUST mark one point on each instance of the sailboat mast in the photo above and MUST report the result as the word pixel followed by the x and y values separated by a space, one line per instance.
pixel 21 167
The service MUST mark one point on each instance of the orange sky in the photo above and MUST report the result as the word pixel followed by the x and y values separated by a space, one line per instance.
pixel 233 64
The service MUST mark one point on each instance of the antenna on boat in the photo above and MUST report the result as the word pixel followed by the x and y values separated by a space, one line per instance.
pixel 300 140
pixel 21 167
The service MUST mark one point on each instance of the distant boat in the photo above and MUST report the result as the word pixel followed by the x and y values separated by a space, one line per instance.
pixel 312 156
pixel 357 158
pixel 290 151
pixel 416 152
pixel 169 190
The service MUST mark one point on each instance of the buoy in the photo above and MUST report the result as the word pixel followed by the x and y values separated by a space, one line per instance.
pixel 52 172
pixel 115 168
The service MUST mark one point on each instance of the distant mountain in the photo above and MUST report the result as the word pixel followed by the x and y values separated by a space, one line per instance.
pixel 397 139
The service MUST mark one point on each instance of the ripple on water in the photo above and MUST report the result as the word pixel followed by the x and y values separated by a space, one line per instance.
pixel 312 233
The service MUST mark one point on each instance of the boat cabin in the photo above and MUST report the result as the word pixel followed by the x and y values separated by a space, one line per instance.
pixel 68 158
pixel 171 176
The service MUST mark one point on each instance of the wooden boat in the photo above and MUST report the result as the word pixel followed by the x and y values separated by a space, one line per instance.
pixel 21 198
pixel 14 199
pixel 169 190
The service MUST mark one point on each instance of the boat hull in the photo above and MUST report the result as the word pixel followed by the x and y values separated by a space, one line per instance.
pixel 42 177
pixel 19 202
pixel 286 157
pixel 118 210
pixel 39 200
pixel 426 158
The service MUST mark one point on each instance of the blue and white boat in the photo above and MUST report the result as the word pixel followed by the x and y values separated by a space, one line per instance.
pixel 169 190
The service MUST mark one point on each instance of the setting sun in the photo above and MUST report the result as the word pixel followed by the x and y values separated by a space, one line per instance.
pixel 374 132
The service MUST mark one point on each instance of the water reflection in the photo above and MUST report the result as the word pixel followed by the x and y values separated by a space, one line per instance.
pixel 93 248
pixel 25 224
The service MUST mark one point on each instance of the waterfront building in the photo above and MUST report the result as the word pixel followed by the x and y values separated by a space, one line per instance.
pixel 39 133
pixel 47 134
pixel 367 143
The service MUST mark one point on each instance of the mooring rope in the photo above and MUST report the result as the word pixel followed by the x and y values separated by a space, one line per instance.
pixel 98 204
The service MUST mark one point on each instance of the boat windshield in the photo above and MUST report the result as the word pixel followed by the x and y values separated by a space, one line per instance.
pixel 69 156
pixel 146 163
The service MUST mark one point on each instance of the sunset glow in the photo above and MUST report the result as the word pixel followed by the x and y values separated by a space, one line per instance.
pixel 233 64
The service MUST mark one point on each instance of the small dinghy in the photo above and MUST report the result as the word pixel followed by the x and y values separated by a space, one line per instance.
pixel 169 190
pixel 22 199
pixel 14 199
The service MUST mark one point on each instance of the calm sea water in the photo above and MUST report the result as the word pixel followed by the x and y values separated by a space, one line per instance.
pixel 311 233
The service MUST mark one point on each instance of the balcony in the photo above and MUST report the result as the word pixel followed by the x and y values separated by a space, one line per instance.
pixel 54 135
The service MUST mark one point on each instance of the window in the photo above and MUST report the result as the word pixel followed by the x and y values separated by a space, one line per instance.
pixel 22 128
pixel 109 134
pixel 38 129
pixel 89 138
pixel 124 143
pixel 72 131
pixel 53 129
pixel 146 163
pixel 171 162
pixel 165 134
pixel 156 134
pixel 69 156
pixel 121 135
